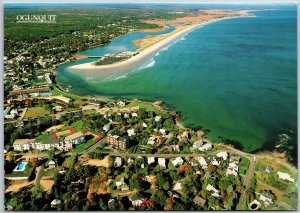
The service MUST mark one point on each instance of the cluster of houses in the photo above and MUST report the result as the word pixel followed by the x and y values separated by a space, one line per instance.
pixel 66 143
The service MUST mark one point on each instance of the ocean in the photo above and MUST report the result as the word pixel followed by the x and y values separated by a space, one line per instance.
pixel 236 78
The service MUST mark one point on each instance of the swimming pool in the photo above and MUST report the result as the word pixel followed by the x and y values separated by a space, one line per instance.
pixel 20 167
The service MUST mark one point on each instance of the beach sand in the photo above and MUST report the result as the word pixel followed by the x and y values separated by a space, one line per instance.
pixel 154 43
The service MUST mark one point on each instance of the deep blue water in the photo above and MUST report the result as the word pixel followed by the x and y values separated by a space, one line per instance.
pixel 235 77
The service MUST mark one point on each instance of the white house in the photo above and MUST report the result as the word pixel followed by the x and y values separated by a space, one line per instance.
pixel 233 169
pixel 162 162
pixel 157 118
pixel 162 131
pixel 118 162
pixel 213 190
pixel 22 144
pixel 129 161
pixel 266 198
pixel 130 132
pixel 144 125
pixel 52 164
pixel 151 160
pixel 175 148
pixel 121 185
pixel 106 127
pixel 55 203
pixel 177 161
pixel 285 176
pixel 177 186
pixel 223 155
pixel 134 114
pixel 152 141
pixel 202 162
pixel 206 147
pixel 75 138
pixel 197 144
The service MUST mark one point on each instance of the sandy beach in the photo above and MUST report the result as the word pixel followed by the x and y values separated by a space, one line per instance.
pixel 162 41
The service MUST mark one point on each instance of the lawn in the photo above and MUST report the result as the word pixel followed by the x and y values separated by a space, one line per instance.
pixel 49 172
pixel 243 167
pixel 89 112
pixel 78 126
pixel 25 173
pixel 84 146
pixel 44 136
pixel 56 91
pixel 35 112
pixel 146 106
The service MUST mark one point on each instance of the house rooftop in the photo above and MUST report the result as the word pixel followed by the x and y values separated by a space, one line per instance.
pixel 23 141
pixel 74 136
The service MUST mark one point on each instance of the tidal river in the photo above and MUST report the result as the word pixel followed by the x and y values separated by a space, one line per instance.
pixel 235 77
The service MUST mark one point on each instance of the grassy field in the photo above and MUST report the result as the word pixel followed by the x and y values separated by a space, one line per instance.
pixel 84 146
pixel 44 136
pixel 146 106
pixel 78 126
pixel 243 167
pixel 56 91
pixel 35 112
pixel 49 172
pixel 25 173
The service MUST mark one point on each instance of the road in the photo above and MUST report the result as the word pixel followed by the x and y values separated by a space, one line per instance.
pixel 247 180
pixel 38 175
pixel 93 147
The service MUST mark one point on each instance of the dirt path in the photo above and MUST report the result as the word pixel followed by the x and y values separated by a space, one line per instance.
pixel 16 185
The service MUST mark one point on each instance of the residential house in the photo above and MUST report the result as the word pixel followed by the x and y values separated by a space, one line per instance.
pixel 152 141
pixel 118 162
pixel 197 144
pixel 266 197
pixel 162 132
pixel 58 108
pixel 202 162
pixel 144 125
pixel 206 147
pixel 151 160
pixel 106 127
pixel 22 144
pixel 48 144
pixel 157 118
pixel 177 161
pixel 223 155
pixel 121 185
pixel 134 114
pixel 130 160
pixel 136 199
pixel 233 169
pixel 175 148
pixel 162 162
pixel 55 203
pixel 76 138
pixel 213 190
pixel 12 114
pixel 141 161
pixel 130 132
pixel 177 186
pixel 199 201
pixel 285 176
pixel 116 141
pixel 52 164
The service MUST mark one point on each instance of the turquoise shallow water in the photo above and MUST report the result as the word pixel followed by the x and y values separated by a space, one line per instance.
pixel 235 77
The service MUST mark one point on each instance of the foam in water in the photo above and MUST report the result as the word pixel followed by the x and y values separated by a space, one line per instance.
pixel 149 63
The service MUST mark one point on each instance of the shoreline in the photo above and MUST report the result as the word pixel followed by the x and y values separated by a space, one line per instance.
pixel 144 52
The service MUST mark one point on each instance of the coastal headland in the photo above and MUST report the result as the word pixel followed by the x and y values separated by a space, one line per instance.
pixel 151 44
